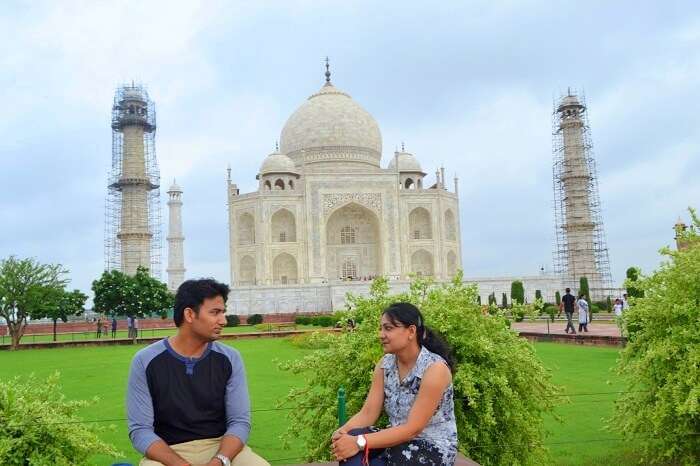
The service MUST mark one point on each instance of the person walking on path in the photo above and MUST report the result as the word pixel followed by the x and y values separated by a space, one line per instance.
pixel 618 311
pixel 114 327
pixel 130 326
pixel 136 328
pixel 99 328
pixel 582 313
pixel 567 303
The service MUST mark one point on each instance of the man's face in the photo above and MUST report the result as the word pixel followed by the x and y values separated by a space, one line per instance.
pixel 211 319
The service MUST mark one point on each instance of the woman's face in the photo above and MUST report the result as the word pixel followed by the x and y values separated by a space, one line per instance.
pixel 395 336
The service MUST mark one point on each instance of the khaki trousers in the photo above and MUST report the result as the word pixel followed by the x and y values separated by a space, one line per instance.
pixel 202 451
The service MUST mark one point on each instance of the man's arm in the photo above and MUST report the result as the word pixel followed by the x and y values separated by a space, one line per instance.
pixel 237 410
pixel 139 407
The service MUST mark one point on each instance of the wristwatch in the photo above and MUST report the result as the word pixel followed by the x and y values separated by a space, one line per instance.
pixel 361 442
pixel 224 459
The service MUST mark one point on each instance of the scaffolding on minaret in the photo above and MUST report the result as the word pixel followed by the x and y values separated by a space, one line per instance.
pixel 132 208
pixel 580 248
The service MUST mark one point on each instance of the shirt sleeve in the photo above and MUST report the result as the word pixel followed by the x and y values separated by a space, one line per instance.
pixel 237 401
pixel 139 407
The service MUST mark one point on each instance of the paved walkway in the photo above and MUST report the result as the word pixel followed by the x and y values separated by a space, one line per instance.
pixel 595 328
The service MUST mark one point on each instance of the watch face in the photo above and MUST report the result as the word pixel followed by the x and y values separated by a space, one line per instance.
pixel 361 441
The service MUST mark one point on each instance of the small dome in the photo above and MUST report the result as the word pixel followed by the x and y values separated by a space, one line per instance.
pixel 277 163
pixel 175 188
pixel 133 93
pixel 331 121
pixel 407 163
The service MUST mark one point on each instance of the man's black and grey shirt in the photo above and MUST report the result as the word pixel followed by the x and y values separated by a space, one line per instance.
pixel 179 399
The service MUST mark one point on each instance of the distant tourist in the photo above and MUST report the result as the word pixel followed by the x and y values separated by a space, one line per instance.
pixel 583 317
pixel 413 383
pixel 187 397
pixel 618 310
pixel 625 303
pixel 99 328
pixel 136 327
pixel 114 327
pixel 567 303
pixel 130 327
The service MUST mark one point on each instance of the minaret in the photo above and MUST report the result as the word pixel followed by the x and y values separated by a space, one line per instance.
pixel 581 250
pixel 176 258
pixel 680 227
pixel 133 206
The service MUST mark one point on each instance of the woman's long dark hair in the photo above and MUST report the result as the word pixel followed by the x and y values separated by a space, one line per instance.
pixel 407 314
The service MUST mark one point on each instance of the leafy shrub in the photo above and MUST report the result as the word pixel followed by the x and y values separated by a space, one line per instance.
pixel 324 321
pixel 302 320
pixel 504 301
pixel 557 298
pixel 255 319
pixel 660 362
pixel 551 310
pixel 232 320
pixel 40 427
pixel 502 391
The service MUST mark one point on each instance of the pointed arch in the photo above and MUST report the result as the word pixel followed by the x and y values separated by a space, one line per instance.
pixel 284 227
pixel 422 263
pixel 353 236
pixel 246 273
pixel 450 226
pixel 279 184
pixel 284 269
pixel 420 224
pixel 246 229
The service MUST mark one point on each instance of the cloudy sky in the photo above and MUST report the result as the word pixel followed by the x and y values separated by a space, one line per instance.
pixel 467 85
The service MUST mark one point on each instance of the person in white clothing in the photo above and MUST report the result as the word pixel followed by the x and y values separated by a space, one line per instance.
pixel 618 309
pixel 582 313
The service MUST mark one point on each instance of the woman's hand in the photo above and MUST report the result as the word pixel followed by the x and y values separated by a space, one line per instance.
pixel 345 447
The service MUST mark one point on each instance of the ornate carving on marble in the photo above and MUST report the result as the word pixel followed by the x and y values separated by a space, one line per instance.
pixel 372 201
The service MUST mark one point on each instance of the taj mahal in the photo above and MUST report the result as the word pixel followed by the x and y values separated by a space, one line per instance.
pixel 327 217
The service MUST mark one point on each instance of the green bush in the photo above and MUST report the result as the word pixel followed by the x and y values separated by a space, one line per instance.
pixel 302 320
pixel 660 409
pixel 39 426
pixel 504 301
pixel 517 292
pixel 232 320
pixel 502 391
pixel 557 298
pixel 255 319
pixel 324 321
pixel 538 294
pixel 551 310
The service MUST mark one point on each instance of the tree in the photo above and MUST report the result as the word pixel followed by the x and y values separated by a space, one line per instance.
pixel 63 305
pixel 557 298
pixel 583 289
pixel 504 301
pixel 27 289
pixel 660 362
pixel 478 299
pixel 538 295
pixel 517 292
pixel 140 295
pixel 492 299
pixel 502 392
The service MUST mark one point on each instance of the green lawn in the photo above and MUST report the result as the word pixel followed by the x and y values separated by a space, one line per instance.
pixel 102 371
pixel 144 333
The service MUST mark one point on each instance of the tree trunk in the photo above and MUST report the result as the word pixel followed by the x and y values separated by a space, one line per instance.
pixel 54 329
pixel 16 330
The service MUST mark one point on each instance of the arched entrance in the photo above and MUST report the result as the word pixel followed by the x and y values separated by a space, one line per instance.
pixel 353 242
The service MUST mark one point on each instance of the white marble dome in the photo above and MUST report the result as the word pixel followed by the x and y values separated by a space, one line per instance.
pixel 329 121
pixel 277 163
pixel 407 162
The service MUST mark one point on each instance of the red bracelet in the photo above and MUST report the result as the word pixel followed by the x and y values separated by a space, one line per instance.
pixel 365 460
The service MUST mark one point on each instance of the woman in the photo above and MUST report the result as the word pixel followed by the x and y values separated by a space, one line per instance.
pixel 582 313
pixel 413 383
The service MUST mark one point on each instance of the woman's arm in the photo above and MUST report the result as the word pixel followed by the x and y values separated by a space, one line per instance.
pixel 435 380
pixel 371 409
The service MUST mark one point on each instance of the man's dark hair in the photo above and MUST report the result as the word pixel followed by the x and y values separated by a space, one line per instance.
pixel 568 290
pixel 192 294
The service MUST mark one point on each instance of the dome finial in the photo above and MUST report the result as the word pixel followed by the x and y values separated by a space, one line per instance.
pixel 403 148
pixel 277 146
pixel 328 72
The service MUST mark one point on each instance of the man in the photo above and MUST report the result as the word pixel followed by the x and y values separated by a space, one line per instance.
pixel 187 398
pixel 567 303
pixel 114 327
pixel 625 303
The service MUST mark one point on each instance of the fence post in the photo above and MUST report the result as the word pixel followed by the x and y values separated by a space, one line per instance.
pixel 341 407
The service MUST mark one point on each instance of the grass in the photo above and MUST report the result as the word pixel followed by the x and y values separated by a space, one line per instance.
pixel 578 440
pixel 143 333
